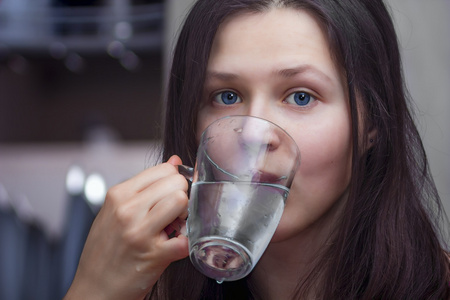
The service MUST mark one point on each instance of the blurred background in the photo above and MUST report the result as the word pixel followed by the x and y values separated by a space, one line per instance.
pixel 81 87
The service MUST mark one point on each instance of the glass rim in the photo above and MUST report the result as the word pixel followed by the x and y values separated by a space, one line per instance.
pixel 259 119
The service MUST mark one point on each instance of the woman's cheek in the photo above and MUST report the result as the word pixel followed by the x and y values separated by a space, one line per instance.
pixel 321 181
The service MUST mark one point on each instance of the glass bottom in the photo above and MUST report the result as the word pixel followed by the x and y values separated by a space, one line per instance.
pixel 220 258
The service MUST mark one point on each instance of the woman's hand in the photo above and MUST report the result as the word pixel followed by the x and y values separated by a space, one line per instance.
pixel 128 246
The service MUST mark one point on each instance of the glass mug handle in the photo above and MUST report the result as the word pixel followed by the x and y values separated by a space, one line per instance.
pixel 187 172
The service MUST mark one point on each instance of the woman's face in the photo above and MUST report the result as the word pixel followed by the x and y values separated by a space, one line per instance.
pixel 277 66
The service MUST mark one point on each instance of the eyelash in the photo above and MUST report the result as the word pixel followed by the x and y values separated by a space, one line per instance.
pixel 300 96
pixel 295 98
pixel 219 97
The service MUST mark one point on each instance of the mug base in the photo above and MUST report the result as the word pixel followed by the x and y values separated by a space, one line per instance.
pixel 220 258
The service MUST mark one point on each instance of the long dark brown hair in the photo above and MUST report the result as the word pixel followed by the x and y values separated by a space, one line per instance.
pixel 388 245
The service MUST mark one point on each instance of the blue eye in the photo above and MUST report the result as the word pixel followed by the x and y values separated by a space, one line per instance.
pixel 300 98
pixel 227 97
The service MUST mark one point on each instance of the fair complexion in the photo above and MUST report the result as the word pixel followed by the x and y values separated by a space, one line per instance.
pixel 276 65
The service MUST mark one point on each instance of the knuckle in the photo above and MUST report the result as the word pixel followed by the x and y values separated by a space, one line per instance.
pixel 123 214
pixel 180 181
pixel 113 195
pixel 133 238
pixel 180 198
pixel 169 168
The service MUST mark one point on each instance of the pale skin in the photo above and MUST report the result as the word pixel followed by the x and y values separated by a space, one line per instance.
pixel 266 60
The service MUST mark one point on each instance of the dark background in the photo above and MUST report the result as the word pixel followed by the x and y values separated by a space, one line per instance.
pixel 47 102
pixel 56 98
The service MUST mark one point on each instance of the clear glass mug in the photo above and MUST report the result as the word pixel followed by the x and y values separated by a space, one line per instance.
pixel 244 170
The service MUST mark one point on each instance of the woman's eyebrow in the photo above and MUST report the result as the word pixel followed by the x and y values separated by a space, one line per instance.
pixel 224 76
pixel 302 69
pixel 287 72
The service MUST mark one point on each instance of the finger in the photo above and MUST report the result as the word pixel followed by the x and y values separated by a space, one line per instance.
pixel 176 248
pixel 147 177
pixel 175 160
pixel 133 211
pixel 166 211
pixel 147 199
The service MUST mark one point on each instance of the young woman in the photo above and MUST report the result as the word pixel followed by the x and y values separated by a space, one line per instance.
pixel 362 218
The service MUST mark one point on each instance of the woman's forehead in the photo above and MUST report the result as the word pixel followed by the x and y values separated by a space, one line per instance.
pixel 277 39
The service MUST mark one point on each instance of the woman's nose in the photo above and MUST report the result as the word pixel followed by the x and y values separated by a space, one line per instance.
pixel 259 136
pixel 256 133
